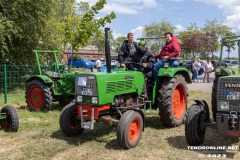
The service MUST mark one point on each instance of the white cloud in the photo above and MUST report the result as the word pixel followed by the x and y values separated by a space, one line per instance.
pixel 231 11
pixel 138 32
pixel 179 28
pixel 116 34
pixel 177 0
pixel 126 6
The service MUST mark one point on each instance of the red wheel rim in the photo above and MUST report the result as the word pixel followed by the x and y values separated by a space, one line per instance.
pixel 35 97
pixel 5 124
pixel 134 130
pixel 179 101
pixel 74 122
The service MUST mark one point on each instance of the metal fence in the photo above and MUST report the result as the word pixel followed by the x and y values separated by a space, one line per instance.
pixel 12 82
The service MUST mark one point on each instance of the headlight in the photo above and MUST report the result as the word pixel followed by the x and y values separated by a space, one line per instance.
pixel 166 65
pixel 79 98
pixel 94 100
pixel 224 106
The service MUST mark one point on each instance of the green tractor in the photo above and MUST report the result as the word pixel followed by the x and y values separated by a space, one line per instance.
pixel 115 98
pixel 225 103
pixel 9 119
pixel 52 83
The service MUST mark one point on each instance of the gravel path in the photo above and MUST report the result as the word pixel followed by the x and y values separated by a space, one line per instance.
pixel 200 86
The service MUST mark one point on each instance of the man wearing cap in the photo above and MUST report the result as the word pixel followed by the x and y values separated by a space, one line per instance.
pixel 146 60
pixel 169 53
pixel 128 48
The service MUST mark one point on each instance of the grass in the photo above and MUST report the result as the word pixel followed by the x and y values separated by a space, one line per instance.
pixel 39 137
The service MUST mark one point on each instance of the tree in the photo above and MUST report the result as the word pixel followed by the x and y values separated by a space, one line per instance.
pixel 22 24
pixel 119 42
pixel 79 33
pixel 157 30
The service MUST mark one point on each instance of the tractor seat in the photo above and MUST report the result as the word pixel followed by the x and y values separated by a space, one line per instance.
pixel 53 75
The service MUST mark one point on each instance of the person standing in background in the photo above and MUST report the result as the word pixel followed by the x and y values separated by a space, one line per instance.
pixel 208 68
pixel 196 69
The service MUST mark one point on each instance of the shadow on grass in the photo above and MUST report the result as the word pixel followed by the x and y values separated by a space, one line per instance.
pixel 155 122
pixel 211 139
pixel 100 130
pixel 55 107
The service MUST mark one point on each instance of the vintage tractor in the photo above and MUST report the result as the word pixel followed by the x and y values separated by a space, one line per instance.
pixel 9 119
pixel 115 97
pixel 51 83
pixel 225 103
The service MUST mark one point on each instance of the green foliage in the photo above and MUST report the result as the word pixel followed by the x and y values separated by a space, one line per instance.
pixel 32 24
pixel 119 42
pixel 157 30
pixel 79 31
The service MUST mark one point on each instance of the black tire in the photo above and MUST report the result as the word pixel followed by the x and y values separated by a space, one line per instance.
pixel 214 98
pixel 69 124
pixel 194 126
pixel 42 91
pixel 129 119
pixel 11 122
pixel 166 97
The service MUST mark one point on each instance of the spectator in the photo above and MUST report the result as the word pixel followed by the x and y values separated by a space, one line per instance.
pixel 196 69
pixel 208 68
pixel 98 64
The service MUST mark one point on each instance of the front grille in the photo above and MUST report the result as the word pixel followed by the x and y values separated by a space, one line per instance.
pixel 227 87
pixel 91 84
pixel 119 85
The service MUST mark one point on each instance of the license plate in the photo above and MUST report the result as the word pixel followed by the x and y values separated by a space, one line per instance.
pixel 86 92
pixel 233 96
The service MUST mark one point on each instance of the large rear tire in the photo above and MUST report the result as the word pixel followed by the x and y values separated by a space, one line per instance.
pixel 194 126
pixel 130 129
pixel 172 100
pixel 69 123
pixel 11 122
pixel 38 96
pixel 214 98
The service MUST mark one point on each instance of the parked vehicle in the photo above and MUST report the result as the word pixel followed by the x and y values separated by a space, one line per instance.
pixel 52 83
pixel 225 104
pixel 231 62
pixel 83 63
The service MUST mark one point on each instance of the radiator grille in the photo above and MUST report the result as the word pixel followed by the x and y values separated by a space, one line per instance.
pixel 224 93
pixel 119 85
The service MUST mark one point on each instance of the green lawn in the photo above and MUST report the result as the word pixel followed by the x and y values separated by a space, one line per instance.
pixel 39 137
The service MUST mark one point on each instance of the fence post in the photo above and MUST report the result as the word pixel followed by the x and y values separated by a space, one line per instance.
pixel 5 83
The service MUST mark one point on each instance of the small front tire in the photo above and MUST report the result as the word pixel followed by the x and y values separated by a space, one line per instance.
pixel 130 129
pixel 69 123
pixel 194 126
pixel 11 122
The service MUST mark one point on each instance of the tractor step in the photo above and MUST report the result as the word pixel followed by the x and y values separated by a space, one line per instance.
pixel 87 125
pixel 149 103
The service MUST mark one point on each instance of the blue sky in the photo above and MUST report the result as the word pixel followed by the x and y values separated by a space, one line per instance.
pixel 133 15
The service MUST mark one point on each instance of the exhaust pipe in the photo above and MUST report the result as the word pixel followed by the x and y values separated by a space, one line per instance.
pixel 107 51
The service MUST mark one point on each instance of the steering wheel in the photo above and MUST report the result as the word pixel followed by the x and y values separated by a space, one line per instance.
pixel 141 67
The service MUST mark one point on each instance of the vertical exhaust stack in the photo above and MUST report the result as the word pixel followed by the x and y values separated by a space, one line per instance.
pixel 107 51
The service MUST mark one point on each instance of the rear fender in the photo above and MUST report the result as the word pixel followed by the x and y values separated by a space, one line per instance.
pixel 45 79
pixel 204 106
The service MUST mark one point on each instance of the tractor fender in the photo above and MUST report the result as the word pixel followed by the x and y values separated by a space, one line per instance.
pixel 171 72
pixel 43 78
pixel 203 104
